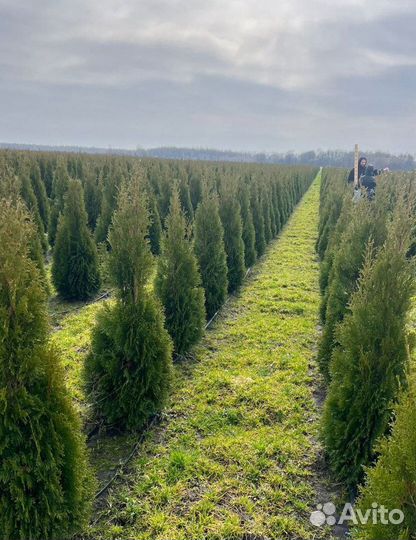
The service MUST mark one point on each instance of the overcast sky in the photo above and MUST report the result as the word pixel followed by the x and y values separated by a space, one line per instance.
pixel 243 75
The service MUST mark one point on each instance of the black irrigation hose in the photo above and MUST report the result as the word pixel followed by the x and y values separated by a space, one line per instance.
pixel 224 304
pixel 77 308
pixel 129 457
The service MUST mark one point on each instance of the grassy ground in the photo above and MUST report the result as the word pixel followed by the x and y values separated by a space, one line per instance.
pixel 234 455
pixel 72 337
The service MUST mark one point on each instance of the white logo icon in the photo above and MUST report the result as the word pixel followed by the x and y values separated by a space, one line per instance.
pixel 323 515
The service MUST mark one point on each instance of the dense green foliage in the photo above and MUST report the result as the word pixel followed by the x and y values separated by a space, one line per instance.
pixel 370 365
pixel 392 482
pixel 75 262
pixel 45 486
pixel 155 227
pixel 113 174
pixel 266 194
pixel 366 221
pixel 128 369
pixel 60 185
pixel 333 188
pixel 210 252
pixel 258 220
pixel 92 196
pixel 249 234
pixel 178 283
pixel 367 281
pixel 233 235
pixel 40 194
pixel 11 188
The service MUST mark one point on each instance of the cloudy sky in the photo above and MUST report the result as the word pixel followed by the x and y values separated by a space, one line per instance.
pixel 230 74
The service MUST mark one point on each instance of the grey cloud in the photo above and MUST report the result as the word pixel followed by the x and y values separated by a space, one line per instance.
pixel 244 75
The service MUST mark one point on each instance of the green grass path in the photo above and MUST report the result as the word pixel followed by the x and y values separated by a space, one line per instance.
pixel 233 455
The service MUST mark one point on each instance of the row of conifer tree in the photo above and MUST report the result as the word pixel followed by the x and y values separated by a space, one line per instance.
pixel 367 281
pixel 200 224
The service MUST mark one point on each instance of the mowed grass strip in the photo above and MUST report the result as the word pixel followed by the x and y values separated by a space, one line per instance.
pixel 232 456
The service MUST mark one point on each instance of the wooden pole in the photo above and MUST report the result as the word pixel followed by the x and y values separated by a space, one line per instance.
pixel 356 166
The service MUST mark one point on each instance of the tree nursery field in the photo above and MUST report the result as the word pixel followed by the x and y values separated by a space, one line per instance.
pixel 204 350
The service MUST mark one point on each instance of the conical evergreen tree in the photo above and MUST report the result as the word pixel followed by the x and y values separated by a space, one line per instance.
pixel 40 193
pixel 265 208
pixel 280 202
pixel 195 187
pixel 338 227
pixel 110 184
pixel 45 484
pixel 249 234
pixel 258 219
pixel 164 181
pixel 185 197
pixel 47 165
pixel 178 283
pixel 11 189
pixel 155 228
pixel 75 261
pixel 273 227
pixel 92 197
pixel 210 252
pixel 392 482
pixel 129 368
pixel 365 223
pixel 370 365
pixel 284 199
pixel 330 211
pixel 276 210
pixel 233 234
pixel 59 188
pixel 29 197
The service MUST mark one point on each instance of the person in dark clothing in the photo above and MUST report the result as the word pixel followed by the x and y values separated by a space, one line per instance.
pixel 368 181
pixel 362 164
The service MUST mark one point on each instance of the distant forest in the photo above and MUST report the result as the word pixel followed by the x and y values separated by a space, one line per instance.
pixel 324 158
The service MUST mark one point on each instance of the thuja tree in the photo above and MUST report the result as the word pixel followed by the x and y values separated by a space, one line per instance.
pixel 112 178
pixel 233 234
pixel 59 188
pixel 11 187
pixel 47 164
pixel 258 219
pixel 210 252
pixel 40 193
pixel 325 270
pixel 155 227
pixel 29 197
pixel 178 282
pixel 128 370
pixel 366 221
pixel 75 262
pixel 331 204
pixel 265 205
pixel 276 207
pixel 249 235
pixel 185 196
pixel 195 185
pixel 92 196
pixel 392 482
pixel 370 365
pixel 45 484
